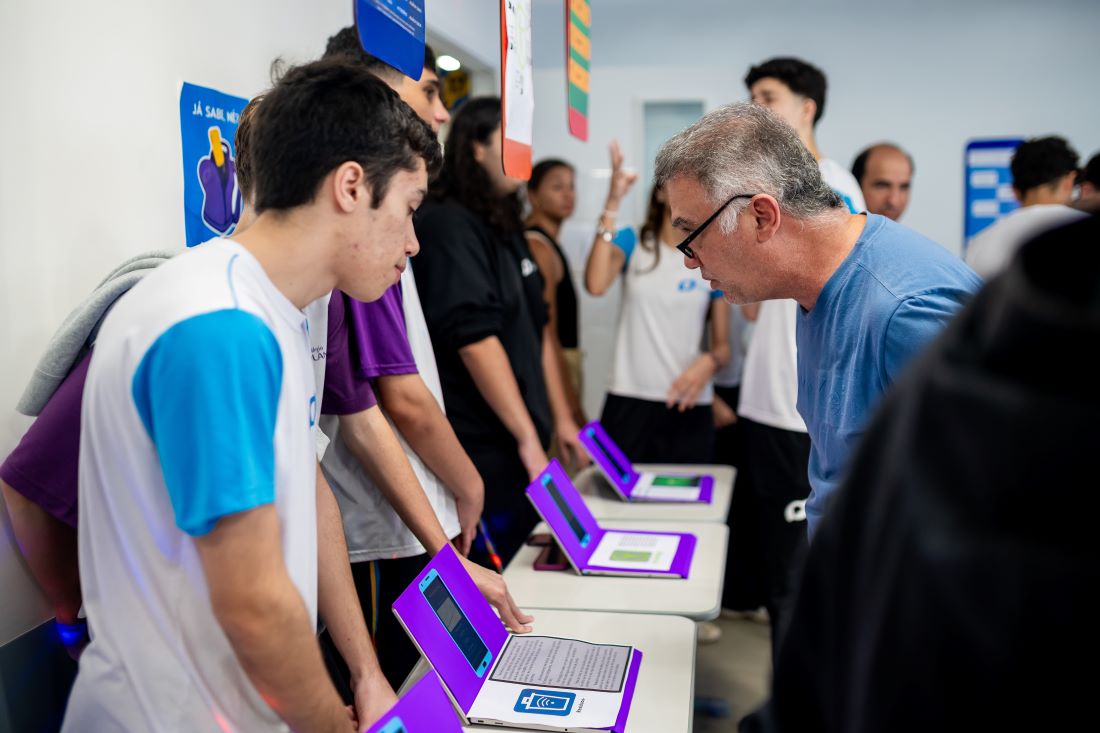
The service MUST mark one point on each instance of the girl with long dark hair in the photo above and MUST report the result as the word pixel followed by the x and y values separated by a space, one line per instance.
pixel 482 297
pixel 552 197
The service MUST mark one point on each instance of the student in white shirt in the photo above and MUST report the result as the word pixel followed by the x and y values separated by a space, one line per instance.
pixel 205 569
pixel 1044 171
pixel 658 406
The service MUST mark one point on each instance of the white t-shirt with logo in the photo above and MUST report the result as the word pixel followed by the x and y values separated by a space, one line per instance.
pixel 317 316
pixel 661 324
pixel 769 383
pixel 991 249
pixel 199 403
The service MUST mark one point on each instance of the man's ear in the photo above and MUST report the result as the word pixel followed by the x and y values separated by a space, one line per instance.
pixel 809 111
pixel 350 186
pixel 766 216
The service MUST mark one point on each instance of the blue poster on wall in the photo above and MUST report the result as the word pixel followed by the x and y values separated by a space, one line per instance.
pixel 393 30
pixel 988 183
pixel 208 126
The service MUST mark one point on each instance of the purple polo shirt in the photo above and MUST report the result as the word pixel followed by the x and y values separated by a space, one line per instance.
pixel 43 467
pixel 345 392
pixel 380 337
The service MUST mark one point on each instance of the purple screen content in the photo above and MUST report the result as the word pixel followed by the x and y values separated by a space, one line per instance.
pixel 456 623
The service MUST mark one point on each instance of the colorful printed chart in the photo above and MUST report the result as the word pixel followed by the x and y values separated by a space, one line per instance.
pixel 578 61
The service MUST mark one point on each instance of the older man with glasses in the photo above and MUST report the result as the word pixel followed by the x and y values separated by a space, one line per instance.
pixel 762 224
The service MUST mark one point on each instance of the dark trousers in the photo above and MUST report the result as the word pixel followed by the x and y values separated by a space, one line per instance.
pixel 508 514
pixel 378 584
pixel 649 432
pixel 727 440
pixel 767 537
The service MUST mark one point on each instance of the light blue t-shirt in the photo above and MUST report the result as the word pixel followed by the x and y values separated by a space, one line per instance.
pixel 889 298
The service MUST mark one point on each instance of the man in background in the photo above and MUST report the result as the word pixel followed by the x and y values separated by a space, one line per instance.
pixel 885 174
pixel 1088 199
pixel 795 90
pixel 1044 171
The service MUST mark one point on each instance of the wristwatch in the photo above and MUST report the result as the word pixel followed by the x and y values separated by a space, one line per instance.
pixel 605 234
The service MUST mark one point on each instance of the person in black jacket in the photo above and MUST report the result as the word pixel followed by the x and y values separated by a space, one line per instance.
pixel 482 297
pixel 952 585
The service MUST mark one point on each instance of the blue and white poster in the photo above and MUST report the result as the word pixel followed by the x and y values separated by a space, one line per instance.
pixel 393 30
pixel 988 183
pixel 211 197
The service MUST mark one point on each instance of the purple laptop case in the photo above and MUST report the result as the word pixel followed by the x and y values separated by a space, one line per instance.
pixel 559 525
pixel 424 709
pixel 628 478
pixel 429 634
pixel 628 692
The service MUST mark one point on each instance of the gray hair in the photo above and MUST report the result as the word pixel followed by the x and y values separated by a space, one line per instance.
pixel 744 148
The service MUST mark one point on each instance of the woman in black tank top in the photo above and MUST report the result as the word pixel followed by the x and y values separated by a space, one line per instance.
pixel 550 192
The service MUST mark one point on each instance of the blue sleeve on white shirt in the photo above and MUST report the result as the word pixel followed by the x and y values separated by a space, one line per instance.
pixel 207 392
pixel 626 239
pixel 847 201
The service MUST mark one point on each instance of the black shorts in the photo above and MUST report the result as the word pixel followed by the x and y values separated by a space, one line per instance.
pixel 649 432
pixel 767 520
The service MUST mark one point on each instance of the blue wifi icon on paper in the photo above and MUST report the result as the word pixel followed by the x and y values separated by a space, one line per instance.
pixel 545 702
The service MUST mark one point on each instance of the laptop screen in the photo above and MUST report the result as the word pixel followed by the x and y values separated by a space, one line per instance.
pixel 677 481
pixel 563 506
pixel 456 623
pixel 609 456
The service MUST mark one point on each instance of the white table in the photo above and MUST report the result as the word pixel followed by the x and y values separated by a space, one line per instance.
pixel 664 697
pixel 604 503
pixel 698 597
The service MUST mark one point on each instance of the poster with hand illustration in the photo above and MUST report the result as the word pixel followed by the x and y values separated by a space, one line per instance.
pixel 211 196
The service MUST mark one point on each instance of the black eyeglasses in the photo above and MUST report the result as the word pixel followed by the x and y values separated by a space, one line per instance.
pixel 685 247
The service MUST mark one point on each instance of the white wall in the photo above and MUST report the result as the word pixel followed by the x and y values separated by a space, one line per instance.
pixel 92 167
pixel 928 75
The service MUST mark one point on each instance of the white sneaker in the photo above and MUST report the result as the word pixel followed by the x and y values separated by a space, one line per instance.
pixel 759 615
pixel 707 632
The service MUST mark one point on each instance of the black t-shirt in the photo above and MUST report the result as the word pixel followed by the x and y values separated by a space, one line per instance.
pixel 565 295
pixel 474 284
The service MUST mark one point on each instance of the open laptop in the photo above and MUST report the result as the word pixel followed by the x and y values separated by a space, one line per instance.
pixel 423 709
pixel 634 486
pixel 593 550
pixel 524 681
